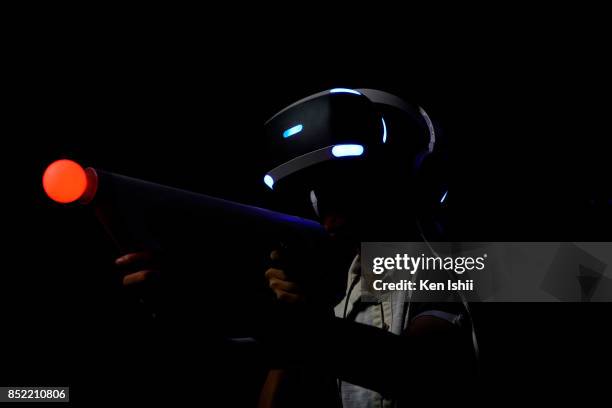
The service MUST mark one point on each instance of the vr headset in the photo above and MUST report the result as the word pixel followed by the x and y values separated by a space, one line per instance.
pixel 359 140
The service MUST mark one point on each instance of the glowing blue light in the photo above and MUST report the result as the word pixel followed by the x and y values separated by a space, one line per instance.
pixel 269 181
pixel 293 131
pixel 344 90
pixel 347 150
pixel 443 198
pixel 384 131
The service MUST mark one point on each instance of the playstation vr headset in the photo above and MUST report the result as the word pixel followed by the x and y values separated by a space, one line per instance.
pixel 355 143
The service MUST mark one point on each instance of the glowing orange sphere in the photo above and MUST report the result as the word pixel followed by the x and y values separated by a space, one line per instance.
pixel 64 181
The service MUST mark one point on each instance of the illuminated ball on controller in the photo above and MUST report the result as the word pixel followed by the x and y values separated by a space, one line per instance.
pixel 64 181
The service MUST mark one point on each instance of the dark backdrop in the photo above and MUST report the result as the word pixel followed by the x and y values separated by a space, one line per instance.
pixel 181 107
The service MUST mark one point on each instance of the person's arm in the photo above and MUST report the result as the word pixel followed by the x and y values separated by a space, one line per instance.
pixel 272 389
pixel 276 386
pixel 432 351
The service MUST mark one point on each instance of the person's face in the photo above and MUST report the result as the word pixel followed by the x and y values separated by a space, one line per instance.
pixel 337 215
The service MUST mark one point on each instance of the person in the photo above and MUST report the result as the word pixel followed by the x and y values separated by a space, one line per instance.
pixel 364 354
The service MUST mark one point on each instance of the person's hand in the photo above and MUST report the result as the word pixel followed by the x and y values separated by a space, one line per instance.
pixel 138 267
pixel 285 290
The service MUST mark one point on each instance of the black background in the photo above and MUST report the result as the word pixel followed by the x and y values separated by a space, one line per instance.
pixel 183 105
